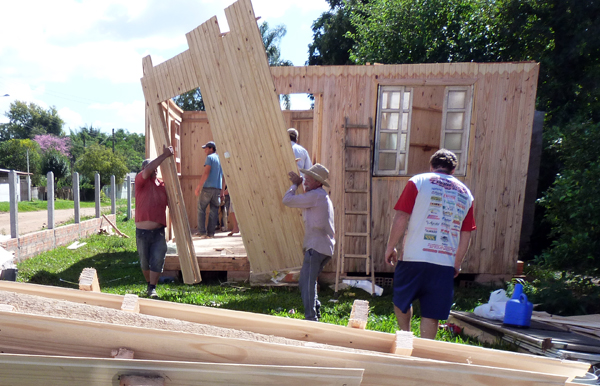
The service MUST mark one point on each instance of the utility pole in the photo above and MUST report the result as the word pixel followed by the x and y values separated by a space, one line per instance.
pixel 113 141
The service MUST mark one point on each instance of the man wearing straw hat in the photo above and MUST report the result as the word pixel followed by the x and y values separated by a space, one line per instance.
pixel 317 213
pixel 302 158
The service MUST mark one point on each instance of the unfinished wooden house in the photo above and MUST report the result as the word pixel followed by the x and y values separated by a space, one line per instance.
pixel 372 126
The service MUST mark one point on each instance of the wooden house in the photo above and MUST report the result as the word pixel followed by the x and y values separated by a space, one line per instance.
pixel 389 119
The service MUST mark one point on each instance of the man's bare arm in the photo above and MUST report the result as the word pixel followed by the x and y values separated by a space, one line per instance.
pixel 155 163
pixel 397 231
pixel 461 251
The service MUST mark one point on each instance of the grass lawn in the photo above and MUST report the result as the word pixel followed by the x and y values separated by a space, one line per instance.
pixel 33 206
pixel 116 262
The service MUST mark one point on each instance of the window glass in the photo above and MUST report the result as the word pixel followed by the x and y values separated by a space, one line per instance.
pixel 389 121
pixel 388 141
pixel 454 121
pixel 456 99
pixel 453 141
pixel 387 161
pixel 395 103
pixel 406 101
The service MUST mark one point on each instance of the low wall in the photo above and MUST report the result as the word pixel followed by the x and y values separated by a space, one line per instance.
pixel 32 244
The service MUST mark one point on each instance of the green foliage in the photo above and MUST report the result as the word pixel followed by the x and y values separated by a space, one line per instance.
pixel 426 31
pixel 190 101
pixel 13 156
pixel 331 42
pixel 54 161
pixel 99 159
pixel 29 120
pixel 572 203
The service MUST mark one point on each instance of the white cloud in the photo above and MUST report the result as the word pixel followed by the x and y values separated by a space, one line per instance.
pixel 73 120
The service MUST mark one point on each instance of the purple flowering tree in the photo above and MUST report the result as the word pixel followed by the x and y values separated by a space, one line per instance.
pixel 49 141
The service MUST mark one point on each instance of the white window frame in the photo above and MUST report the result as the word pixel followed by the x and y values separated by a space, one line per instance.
pixel 397 171
pixel 462 154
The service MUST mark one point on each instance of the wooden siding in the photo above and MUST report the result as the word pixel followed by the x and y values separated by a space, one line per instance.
pixel 502 117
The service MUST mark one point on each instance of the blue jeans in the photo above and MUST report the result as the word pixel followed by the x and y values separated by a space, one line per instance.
pixel 152 248
pixel 208 196
pixel 311 268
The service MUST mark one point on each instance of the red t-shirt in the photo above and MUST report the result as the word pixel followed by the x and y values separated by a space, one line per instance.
pixel 150 200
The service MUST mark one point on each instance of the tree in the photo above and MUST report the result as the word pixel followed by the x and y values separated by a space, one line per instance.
pixel 29 120
pixel 331 44
pixel 54 161
pixel 424 31
pixel 190 101
pixel 99 159
pixel 49 141
pixel 13 156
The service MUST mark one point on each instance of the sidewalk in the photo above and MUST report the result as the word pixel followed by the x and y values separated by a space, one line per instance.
pixel 36 221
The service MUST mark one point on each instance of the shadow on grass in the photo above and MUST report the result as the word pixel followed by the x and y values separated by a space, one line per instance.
pixel 114 269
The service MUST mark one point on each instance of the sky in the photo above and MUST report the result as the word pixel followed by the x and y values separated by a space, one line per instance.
pixel 84 57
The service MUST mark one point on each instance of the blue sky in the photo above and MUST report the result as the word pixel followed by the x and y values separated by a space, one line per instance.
pixel 85 57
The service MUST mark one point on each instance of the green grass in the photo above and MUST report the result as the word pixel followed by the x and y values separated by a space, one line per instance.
pixel 33 206
pixel 116 261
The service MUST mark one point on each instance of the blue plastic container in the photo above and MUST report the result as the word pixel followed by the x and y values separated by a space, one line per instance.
pixel 518 309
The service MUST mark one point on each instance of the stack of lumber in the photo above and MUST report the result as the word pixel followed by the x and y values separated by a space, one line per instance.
pixel 72 335
pixel 575 337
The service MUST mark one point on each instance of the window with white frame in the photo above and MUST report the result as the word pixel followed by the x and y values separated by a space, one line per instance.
pixel 393 134
pixel 456 121
pixel 438 116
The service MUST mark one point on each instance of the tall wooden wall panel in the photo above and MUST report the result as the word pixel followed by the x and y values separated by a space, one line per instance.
pixel 502 115
pixel 248 125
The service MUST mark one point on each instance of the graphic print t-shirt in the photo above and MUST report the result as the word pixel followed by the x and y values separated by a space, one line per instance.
pixel 441 207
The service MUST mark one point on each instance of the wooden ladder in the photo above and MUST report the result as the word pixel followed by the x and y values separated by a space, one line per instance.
pixel 357 146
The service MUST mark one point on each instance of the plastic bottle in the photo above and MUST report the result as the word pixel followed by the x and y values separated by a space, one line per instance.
pixel 518 309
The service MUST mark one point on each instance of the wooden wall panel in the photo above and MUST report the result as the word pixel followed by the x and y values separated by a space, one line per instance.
pixel 248 126
pixel 504 98
pixel 426 124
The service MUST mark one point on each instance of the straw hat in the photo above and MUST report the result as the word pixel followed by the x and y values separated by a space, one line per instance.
pixel 318 172
pixel 293 131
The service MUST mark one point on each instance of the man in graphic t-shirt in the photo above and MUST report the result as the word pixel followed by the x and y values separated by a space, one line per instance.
pixel 435 211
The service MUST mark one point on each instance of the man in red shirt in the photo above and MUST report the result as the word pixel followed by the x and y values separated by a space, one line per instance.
pixel 435 211
pixel 151 220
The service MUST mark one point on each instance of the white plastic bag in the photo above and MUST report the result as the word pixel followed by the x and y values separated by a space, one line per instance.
pixel 496 306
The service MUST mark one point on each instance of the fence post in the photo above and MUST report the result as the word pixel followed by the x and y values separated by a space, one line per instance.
pixel 97 198
pixel 113 195
pixel 50 185
pixel 76 197
pixel 128 197
pixel 28 179
pixel 13 185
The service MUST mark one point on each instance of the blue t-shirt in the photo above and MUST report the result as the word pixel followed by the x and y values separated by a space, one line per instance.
pixel 215 178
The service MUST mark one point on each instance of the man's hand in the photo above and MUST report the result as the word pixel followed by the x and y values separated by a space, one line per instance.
pixel 197 191
pixel 168 151
pixel 391 256
pixel 296 179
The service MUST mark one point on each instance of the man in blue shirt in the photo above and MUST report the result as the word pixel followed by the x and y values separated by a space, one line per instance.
pixel 211 184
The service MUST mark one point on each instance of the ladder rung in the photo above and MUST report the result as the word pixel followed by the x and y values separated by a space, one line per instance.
pixel 356 191
pixel 357 234
pixel 356 170
pixel 353 256
pixel 356 212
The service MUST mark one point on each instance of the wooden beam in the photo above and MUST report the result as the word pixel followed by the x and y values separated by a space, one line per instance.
pixel 323 333
pixel 139 380
pixel 131 303
pixel 181 226
pixel 403 345
pixel 35 370
pixel 88 280
pixel 40 334
pixel 359 314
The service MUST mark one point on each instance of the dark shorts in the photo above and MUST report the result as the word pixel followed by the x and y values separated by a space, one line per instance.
pixel 152 248
pixel 432 284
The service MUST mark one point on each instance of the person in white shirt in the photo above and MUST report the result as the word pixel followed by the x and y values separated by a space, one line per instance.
pixel 319 236
pixel 300 154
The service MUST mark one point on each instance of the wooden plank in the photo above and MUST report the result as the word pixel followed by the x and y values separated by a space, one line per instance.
pixel 183 239
pixel 247 123
pixel 33 370
pixel 36 334
pixel 88 280
pixel 322 333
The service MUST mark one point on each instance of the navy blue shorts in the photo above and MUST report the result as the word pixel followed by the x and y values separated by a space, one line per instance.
pixel 432 284
pixel 152 248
